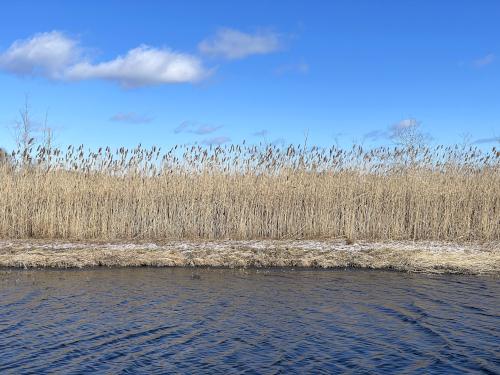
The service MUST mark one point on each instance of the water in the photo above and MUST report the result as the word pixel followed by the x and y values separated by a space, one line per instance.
pixel 147 320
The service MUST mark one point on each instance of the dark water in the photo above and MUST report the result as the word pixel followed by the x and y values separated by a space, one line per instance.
pixel 228 321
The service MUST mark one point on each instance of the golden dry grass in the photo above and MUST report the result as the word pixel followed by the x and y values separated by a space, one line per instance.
pixel 252 192
pixel 429 257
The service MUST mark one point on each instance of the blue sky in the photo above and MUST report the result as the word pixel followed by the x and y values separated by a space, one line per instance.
pixel 122 72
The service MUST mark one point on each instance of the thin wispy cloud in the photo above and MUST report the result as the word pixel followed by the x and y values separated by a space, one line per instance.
pixel 264 133
pixel 394 130
pixel 216 141
pixel 279 142
pixel 56 56
pixel 484 61
pixel 184 126
pixel 261 133
pixel 196 128
pixel 131 118
pixel 376 135
pixel 486 140
pixel 206 129
pixel 299 68
pixel 404 124
pixel 234 44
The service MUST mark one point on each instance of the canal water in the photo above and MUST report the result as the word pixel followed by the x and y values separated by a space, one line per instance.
pixel 182 320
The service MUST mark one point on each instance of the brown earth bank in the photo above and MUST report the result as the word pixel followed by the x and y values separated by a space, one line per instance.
pixel 406 256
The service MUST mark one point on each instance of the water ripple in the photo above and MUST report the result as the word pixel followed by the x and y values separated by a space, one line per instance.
pixel 247 321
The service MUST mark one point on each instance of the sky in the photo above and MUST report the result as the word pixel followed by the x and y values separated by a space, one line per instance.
pixel 120 73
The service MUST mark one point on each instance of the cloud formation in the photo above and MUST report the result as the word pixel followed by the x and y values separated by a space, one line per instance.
pixel 232 44
pixel 131 118
pixel 195 128
pixel 216 141
pixel 142 66
pixel 484 61
pixel 56 56
pixel 44 54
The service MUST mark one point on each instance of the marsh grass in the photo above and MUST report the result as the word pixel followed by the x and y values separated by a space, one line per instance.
pixel 409 256
pixel 251 192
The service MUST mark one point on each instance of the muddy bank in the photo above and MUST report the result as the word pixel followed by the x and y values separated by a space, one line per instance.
pixel 432 257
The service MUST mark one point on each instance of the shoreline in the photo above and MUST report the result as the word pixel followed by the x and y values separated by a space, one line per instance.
pixel 405 256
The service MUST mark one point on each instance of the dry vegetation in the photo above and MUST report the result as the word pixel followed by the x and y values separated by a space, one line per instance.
pixel 430 257
pixel 251 192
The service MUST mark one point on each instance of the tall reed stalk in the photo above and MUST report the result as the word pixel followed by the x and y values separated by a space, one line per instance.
pixel 250 192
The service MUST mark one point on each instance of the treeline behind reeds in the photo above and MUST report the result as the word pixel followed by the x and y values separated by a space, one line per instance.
pixel 251 192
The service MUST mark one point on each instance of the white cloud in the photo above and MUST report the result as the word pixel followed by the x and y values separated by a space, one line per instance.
pixel 46 54
pixel 142 66
pixel 233 44
pixel 58 57
pixel 483 61
pixel 131 118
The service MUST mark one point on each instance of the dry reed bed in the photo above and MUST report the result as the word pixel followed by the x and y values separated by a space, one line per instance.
pixel 430 257
pixel 252 192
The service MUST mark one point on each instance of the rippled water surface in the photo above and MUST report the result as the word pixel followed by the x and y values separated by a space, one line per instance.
pixel 147 320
